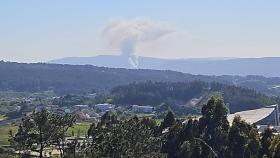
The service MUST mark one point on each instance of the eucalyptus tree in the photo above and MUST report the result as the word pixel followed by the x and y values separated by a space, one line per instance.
pixel 214 126
pixel 40 130
pixel 126 138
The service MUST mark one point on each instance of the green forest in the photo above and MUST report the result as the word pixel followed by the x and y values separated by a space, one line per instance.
pixel 78 79
pixel 179 93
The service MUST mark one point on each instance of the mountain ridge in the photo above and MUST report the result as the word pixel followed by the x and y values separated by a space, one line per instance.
pixel 264 66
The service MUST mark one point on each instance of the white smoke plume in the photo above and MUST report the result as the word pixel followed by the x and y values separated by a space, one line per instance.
pixel 128 34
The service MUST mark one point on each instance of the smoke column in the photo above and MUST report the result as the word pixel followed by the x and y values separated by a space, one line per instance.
pixel 127 34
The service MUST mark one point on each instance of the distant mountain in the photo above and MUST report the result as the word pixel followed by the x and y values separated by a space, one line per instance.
pixel 222 66
pixel 112 61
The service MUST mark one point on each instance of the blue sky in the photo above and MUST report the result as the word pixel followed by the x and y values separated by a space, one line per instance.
pixel 33 31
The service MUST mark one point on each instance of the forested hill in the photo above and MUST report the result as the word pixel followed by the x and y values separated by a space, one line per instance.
pixel 79 79
pixel 181 93
pixel 64 79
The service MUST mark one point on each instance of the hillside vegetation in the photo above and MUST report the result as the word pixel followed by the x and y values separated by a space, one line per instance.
pixel 64 79
pixel 180 93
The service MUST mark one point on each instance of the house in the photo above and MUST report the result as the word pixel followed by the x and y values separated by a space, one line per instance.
pixel 142 109
pixel 80 107
pixel 91 95
pixel 104 107
pixel 40 108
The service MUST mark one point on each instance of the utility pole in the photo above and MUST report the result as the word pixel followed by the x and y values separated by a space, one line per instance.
pixel 227 106
pixel 277 115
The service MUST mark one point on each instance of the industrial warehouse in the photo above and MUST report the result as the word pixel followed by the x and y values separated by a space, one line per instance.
pixel 262 117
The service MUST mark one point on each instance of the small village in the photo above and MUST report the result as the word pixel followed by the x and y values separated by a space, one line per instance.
pixel 93 113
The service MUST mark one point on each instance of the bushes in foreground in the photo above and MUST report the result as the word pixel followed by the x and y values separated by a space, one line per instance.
pixel 209 137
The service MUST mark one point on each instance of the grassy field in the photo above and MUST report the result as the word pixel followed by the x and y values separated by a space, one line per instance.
pixel 4 133
pixel 79 129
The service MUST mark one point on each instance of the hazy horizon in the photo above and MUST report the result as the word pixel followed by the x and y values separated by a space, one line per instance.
pixel 220 57
pixel 40 31
pixel 191 58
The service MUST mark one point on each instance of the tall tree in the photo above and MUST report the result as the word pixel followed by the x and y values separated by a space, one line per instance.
pixel 127 138
pixel 238 137
pixel 253 144
pixel 62 124
pixel 274 148
pixel 41 129
pixel 266 138
pixel 214 125
pixel 168 121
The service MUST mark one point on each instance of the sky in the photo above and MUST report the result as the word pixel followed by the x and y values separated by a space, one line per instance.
pixel 39 31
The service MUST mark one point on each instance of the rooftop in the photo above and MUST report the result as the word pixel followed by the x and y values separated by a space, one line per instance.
pixel 253 116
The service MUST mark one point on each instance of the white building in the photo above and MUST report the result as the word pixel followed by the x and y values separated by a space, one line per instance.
pixel 143 109
pixel 81 106
pixel 91 95
pixel 261 116
pixel 105 107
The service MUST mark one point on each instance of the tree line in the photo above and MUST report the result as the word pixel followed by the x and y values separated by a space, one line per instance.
pixel 210 136
pixel 179 93
pixel 77 79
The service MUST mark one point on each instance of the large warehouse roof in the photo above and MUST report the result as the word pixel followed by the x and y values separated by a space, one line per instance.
pixel 253 116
